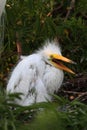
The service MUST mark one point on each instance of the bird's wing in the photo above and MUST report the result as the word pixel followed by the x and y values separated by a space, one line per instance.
pixel 25 79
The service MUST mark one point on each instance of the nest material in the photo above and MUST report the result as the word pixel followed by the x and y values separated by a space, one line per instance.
pixel 75 88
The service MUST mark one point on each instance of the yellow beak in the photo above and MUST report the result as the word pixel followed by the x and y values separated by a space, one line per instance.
pixel 56 61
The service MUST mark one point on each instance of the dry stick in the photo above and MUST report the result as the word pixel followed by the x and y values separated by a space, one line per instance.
pixel 80 94
pixel 85 16
pixel 18 44
pixel 72 4
pixel 76 80
pixel 19 50
pixel 73 92
pixel 56 9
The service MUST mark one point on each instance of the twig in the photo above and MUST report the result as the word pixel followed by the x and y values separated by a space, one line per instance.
pixel 19 50
pixel 73 92
pixel 80 94
pixel 18 44
pixel 72 4
pixel 56 9
pixel 85 16
pixel 77 80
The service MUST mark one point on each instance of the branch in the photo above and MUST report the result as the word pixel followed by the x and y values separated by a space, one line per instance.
pixel 18 44
pixel 55 9
pixel 72 4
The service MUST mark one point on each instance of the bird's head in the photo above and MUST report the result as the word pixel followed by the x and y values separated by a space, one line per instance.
pixel 52 55
pixel 58 60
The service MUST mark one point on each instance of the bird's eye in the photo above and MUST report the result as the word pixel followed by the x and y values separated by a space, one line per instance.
pixel 51 56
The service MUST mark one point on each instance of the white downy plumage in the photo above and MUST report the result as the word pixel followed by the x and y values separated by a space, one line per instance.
pixel 37 76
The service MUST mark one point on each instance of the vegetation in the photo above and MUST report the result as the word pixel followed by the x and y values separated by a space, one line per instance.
pixel 59 115
pixel 28 24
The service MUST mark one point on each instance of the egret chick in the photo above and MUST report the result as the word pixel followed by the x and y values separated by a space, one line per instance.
pixel 39 75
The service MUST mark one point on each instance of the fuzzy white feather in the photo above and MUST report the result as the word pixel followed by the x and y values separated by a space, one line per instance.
pixel 35 77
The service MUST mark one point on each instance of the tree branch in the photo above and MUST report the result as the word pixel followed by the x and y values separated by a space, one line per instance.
pixel 72 4
pixel 18 44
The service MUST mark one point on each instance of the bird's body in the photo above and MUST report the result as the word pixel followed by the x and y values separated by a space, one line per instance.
pixel 36 77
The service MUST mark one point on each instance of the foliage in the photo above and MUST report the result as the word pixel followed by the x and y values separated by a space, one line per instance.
pixel 31 23
pixel 61 114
